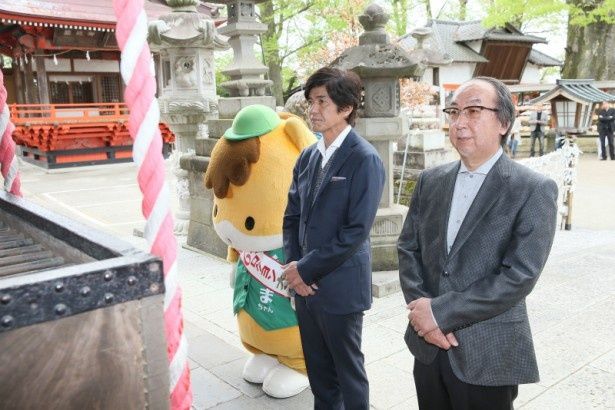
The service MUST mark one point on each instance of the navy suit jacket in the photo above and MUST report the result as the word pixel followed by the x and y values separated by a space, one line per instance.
pixel 329 236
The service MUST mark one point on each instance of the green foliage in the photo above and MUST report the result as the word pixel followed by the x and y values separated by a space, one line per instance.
pixel 501 12
pixel 581 12
pixel 221 61
pixel 406 191
pixel 399 16
pixel 549 72
pixel 296 28
pixel 585 12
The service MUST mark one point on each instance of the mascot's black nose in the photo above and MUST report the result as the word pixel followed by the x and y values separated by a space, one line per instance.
pixel 249 223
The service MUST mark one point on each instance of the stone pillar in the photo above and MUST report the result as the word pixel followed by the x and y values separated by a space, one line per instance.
pixel 382 133
pixel 246 87
pixel 185 41
pixel 380 64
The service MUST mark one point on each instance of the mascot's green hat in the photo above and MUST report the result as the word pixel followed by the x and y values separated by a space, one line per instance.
pixel 252 121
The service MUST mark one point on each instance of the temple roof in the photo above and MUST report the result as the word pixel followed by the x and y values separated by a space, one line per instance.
pixel 450 39
pixel 95 15
pixel 576 90
pixel 541 59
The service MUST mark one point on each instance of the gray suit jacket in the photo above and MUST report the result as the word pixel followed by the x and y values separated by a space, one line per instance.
pixel 543 121
pixel 478 290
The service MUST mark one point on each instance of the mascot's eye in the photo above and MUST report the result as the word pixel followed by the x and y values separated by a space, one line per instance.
pixel 249 223
pixel 215 210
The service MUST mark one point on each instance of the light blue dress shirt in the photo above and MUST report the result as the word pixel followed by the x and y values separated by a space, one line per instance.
pixel 467 186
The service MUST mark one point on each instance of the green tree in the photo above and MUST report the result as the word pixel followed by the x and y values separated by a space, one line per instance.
pixel 590 51
pixel 399 17
pixel 463 10
pixel 296 28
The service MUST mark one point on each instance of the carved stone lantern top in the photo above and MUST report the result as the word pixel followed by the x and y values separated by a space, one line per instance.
pixel 375 56
pixel 184 4
pixel 380 65
pixel 430 55
pixel 374 18
pixel 185 27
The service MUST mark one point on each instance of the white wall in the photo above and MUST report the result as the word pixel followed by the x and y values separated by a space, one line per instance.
pixel 531 75
pixel 81 66
pixel 456 73
pixel 475 45
pixel 97 66
pixel 428 75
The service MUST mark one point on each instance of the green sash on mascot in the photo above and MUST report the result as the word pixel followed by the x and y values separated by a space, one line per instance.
pixel 259 290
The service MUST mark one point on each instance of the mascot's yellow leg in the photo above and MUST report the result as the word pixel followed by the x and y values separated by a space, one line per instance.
pixel 285 344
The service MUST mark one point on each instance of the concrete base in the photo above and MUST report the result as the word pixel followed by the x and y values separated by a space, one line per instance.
pixel 385 283
pixel 425 140
pixel 423 159
pixel 228 107
pixel 201 233
pixel 384 235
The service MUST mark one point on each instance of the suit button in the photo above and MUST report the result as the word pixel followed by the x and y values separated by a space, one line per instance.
pixel 445 273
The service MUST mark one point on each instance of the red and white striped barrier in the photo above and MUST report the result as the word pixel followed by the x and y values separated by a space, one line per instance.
pixel 8 161
pixel 136 66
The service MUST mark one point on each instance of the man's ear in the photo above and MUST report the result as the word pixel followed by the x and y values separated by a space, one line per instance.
pixel 346 111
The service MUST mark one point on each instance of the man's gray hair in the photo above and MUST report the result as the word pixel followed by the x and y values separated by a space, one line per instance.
pixel 504 103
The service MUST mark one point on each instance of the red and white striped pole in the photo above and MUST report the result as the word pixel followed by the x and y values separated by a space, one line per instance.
pixel 136 66
pixel 8 161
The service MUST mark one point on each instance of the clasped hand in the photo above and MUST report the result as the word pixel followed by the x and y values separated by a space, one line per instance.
pixel 292 277
pixel 422 321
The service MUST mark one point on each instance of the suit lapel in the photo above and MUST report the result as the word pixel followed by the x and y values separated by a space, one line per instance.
pixel 341 154
pixel 312 164
pixel 487 195
pixel 448 187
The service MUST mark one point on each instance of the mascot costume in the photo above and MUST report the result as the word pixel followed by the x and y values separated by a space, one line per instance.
pixel 250 172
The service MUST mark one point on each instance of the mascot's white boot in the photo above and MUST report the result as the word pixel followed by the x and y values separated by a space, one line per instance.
pixel 282 382
pixel 257 367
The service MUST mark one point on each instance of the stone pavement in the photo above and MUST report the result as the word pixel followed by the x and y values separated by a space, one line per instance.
pixel 570 309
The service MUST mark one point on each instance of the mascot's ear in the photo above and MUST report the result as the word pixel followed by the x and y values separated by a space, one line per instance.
pixel 298 132
pixel 286 115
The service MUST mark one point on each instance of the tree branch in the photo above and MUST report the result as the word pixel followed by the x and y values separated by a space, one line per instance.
pixel 291 52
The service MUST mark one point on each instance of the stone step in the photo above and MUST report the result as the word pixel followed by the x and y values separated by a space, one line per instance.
pixel 385 283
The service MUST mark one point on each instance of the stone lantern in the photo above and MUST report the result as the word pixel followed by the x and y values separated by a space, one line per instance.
pixel 573 103
pixel 185 41
pixel 246 86
pixel 380 65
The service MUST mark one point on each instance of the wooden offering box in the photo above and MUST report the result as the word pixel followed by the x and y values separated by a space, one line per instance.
pixel 81 316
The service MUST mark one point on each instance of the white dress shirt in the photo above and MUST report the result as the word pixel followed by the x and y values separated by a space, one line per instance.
pixel 337 142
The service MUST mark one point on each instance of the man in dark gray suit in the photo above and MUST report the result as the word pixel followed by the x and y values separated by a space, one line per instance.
pixel 538 121
pixel 332 202
pixel 475 240
pixel 606 128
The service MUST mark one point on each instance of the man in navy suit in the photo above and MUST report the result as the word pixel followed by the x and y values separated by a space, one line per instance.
pixel 332 202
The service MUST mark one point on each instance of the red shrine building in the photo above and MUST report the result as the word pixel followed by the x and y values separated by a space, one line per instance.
pixel 61 66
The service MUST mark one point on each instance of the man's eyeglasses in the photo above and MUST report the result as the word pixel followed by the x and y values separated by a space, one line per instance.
pixel 471 112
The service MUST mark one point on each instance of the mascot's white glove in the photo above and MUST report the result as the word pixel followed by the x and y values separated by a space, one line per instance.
pixel 232 275
pixel 232 256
